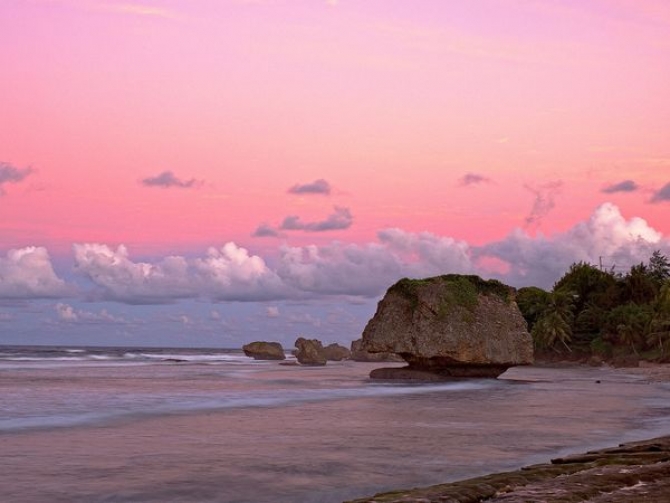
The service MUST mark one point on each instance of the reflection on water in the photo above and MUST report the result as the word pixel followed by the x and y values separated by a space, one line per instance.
pixel 264 433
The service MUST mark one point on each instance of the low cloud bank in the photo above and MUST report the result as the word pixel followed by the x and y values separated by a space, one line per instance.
pixel 232 273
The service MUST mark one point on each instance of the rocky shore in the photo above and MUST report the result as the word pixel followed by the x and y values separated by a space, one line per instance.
pixel 633 472
pixel 630 473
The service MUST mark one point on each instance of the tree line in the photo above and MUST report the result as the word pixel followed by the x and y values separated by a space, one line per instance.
pixel 603 313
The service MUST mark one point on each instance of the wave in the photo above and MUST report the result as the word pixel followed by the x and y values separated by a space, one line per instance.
pixel 41 357
pixel 145 406
pixel 187 357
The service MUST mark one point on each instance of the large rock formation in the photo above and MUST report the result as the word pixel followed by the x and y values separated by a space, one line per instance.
pixel 449 326
pixel 336 353
pixel 309 351
pixel 261 350
pixel 358 354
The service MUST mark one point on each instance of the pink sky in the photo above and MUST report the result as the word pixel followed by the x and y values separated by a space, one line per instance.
pixel 469 124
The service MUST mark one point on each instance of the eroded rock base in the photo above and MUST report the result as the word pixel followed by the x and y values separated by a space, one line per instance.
pixel 438 374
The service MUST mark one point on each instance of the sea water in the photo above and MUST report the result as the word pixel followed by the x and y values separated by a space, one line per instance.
pixel 211 425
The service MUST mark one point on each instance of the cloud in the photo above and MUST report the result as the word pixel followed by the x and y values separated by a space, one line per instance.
pixel 12 174
pixel 663 194
pixel 606 234
pixel 304 319
pixel 167 179
pixel 339 269
pixel 66 312
pixel 320 186
pixel 229 273
pixel 272 312
pixel 69 314
pixel 367 270
pixel 543 203
pixel 28 273
pixel 265 230
pixel 625 186
pixel 473 179
pixel 340 219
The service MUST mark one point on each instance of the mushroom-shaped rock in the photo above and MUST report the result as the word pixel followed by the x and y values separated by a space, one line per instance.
pixel 309 351
pixel 449 326
pixel 261 350
pixel 336 353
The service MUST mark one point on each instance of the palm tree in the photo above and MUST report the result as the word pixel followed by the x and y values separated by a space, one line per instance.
pixel 629 323
pixel 554 324
pixel 552 329
pixel 532 302
pixel 659 267
pixel 659 326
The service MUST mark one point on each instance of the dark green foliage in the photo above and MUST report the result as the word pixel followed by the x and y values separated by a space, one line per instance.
pixel 589 285
pixel 554 322
pixel 601 348
pixel 659 267
pixel 658 334
pixel 627 325
pixel 532 302
pixel 603 313
pixel 639 286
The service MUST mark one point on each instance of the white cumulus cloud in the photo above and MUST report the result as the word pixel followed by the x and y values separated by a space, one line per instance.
pixel 339 269
pixel 28 273
pixel 606 236
pixel 66 312
pixel 231 273
pixel 226 274
pixel 121 279
pixel 69 314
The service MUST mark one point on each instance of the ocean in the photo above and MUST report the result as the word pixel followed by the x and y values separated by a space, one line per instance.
pixel 211 425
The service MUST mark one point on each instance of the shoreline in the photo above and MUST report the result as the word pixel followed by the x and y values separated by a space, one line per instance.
pixel 628 473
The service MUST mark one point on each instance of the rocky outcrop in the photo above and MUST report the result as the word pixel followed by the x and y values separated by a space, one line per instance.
pixel 261 350
pixel 631 473
pixel 449 326
pixel 309 351
pixel 336 353
pixel 358 354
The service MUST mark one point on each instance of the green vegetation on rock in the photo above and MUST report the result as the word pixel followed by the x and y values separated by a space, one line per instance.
pixel 462 290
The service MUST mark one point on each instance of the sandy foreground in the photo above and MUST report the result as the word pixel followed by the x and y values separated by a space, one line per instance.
pixel 628 473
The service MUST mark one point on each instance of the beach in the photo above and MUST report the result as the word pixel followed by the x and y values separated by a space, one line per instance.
pixel 229 430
